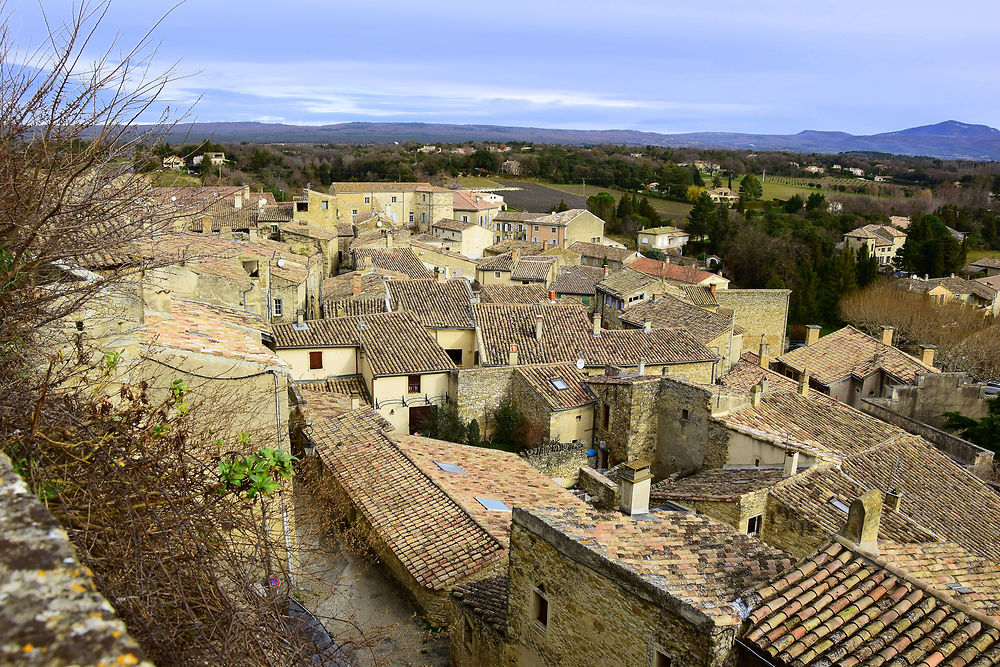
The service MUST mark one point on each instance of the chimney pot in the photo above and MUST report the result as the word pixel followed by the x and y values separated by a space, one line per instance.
pixel 300 316
pixel 756 392
pixel 887 335
pixel 538 327
pixel 388 238
pixel 597 324
pixel 711 288
pixel 791 463
pixel 606 271
pixel 355 402
pixel 647 325
pixel 927 354
pixel 635 488
pixel 552 296
pixel 812 333
pixel 804 383
pixel 512 355
pixel 894 498
pixel 513 254
pixel 863 521
pixel 764 354
pixel 356 284
pixel 642 367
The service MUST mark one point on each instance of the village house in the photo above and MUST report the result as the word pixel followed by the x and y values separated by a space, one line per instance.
pixel 515 225
pixel 454 525
pixel 406 373
pixel 723 195
pixel 464 237
pixel 215 159
pixel 392 258
pixel 305 239
pixel 173 163
pixel 417 205
pixel 505 246
pixel 678 274
pixel 555 404
pixel 598 254
pixel 513 294
pixel 443 263
pixel 850 365
pixel 512 167
pixel 662 238
pixel 444 309
pixel 988 265
pixel 883 242
pixel 566 228
pixel 577 283
pixel 473 207
pixel 976 293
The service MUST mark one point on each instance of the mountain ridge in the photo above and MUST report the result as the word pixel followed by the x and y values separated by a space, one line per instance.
pixel 948 140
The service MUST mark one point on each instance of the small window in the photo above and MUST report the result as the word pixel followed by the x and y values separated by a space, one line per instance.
pixel 496 274
pixel 450 467
pixel 423 197
pixel 455 354
pixel 559 383
pixel 465 218
pixel 540 606
pixel 579 418
pixel 413 384
pixel 525 282
pixel 277 308
pixel 586 300
pixel 553 230
pixel 536 228
pixel 684 414
pixel 315 360
pixel 661 659
pixel 753 524
pixel 836 502
pixel 325 205
pixel 393 200
pixel 368 200
pixel 492 504
pixel 958 587
pixel 354 211
pixel 605 416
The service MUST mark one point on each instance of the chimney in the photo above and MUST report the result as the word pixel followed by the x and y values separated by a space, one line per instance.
pixel 388 238
pixel 755 394
pixel 552 296
pixel 512 355
pixel 711 288
pixel 887 335
pixel 206 224
pixel 894 498
pixel 812 333
pixel 356 284
pixel 447 272
pixel 635 488
pixel 804 383
pixel 238 202
pixel 764 353
pixel 513 254
pixel 538 327
pixel 863 521
pixel 642 367
pixel 927 354
pixel 355 402
pixel 606 270
pixel 791 463
pixel 597 324
pixel 647 325
pixel 300 317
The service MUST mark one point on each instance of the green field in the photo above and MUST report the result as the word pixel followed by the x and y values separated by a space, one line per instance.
pixel 473 182
pixel 675 210
pixel 973 255
pixel 173 179
pixel 782 187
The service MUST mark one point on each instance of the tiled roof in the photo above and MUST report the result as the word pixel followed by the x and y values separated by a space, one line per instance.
pixel 503 262
pixel 535 268
pixel 489 473
pixel 310 231
pixel 699 295
pixel 692 558
pixel 815 424
pixel 987 262
pixel 345 229
pixel 561 218
pixel 580 280
pixel 352 187
pixel 348 385
pixel 454 225
pixel 540 376
pixel 505 246
pixel 486 599
pixel 939 563
pixel 847 353
pixel 567 336
pixel 317 405
pixel 430 533
pixel 937 493
pixel 883 234
pixel 843 606
pixel 355 305
pixel 810 495
pixel 400 260
pixel 436 305
pixel 342 286
pixel 993 282
pixel 625 282
pixel 199 327
pixel 596 250
pixel 667 311
pixel 468 201
pixel 211 255
pixel 656 231
pixel 684 274
pixel 513 294
pixel 716 485
pixel 377 238
pixel 518 216
pixel 961 286
pixel 748 372
pixel 393 343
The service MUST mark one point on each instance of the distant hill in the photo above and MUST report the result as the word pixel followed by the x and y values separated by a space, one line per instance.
pixel 949 140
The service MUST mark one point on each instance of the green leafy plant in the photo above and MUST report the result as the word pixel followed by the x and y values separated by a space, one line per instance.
pixel 255 474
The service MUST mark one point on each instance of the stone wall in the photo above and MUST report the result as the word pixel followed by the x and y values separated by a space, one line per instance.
pixel 786 528
pixel 478 392
pixel 597 613
pixel 632 408
pixel 759 311
pixel 50 612
pixel 473 642
pixel 937 393
pixel 558 460
pixel 979 460
pixel 682 433
pixel 603 491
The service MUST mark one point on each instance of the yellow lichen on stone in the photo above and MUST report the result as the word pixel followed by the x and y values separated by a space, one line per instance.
pixel 127 659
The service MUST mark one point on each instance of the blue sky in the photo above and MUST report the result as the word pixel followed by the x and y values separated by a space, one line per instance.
pixel 763 66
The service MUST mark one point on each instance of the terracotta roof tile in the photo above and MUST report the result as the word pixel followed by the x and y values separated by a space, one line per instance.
pixel 848 353
pixel 676 272
pixel 399 260
pixel 505 246
pixel 436 304
pixel 577 280
pixel 666 311
pixel 513 294
pixel 716 485
pixel 535 269
pixel 356 187
pixel 503 262
pixel 545 380
pixel 699 295
pixel 454 225
pixel 601 252
pixel 486 599
pixel 625 283
pixel 748 372
pixel 463 200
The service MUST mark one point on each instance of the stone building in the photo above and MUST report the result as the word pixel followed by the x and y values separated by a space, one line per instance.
pixel 554 402
pixel 464 237
pixel 445 311
pixel 417 205
pixel 595 253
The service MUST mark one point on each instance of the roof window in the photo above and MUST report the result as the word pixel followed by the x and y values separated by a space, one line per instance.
pixel 836 502
pixel 957 587
pixel 559 383
pixel 450 467
pixel 494 505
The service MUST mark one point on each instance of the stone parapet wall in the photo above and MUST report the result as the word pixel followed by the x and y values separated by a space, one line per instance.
pixel 478 392
pixel 558 460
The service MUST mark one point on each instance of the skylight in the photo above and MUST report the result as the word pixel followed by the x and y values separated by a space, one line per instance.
pixel 494 505
pixel 957 587
pixel 559 383
pixel 839 505
pixel 450 467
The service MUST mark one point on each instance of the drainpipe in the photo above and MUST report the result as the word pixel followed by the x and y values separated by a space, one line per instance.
pixel 244 297
pixel 284 507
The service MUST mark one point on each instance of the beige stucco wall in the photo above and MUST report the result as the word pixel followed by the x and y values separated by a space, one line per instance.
pixel 759 311
pixel 337 361
pixel 435 262
pixel 433 386
pixel 584 227
pixel 574 424
pixel 457 339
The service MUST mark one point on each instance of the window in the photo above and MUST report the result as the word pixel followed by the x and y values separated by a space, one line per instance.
pixel 605 415
pixel 413 384
pixel 325 205
pixel 277 308
pixel 684 414
pixel 525 282
pixel 423 217
pixel 393 200
pixel 450 467
pixel 423 197
pixel 660 659
pixel 302 206
pixel 579 418
pixel 456 355
pixel 559 384
pixel 536 228
pixel 553 230
pixel 586 299
pixel 354 211
pixel 467 635
pixel 534 239
pixel 315 360
pixel 368 200
pixel 465 218
pixel 836 502
pixel 540 606
pixel 753 524
pixel 492 504
pixel 496 274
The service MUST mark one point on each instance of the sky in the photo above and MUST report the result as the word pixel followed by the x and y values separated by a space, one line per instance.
pixel 766 66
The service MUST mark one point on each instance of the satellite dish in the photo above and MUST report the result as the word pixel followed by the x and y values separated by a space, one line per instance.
pixel 378 223
pixel 281 263
pixel 579 364
pixel 173 198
